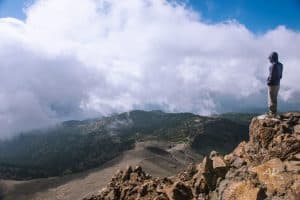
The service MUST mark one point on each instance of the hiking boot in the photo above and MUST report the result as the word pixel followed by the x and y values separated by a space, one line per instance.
pixel 271 115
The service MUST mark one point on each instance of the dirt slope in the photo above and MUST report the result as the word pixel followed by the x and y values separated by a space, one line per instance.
pixel 159 159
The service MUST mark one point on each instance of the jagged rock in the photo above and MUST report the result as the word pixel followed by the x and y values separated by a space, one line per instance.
pixel 285 128
pixel 134 177
pixel 220 167
pixel 238 155
pixel 161 197
pixel 207 165
pixel 143 190
pixel 167 181
pixel 114 194
pixel 292 166
pixel 218 162
pixel 296 157
pixel 238 162
pixel 138 169
pixel 284 146
pixel 213 195
pixel 242 190
pixel 127 173
pixel 200 186
pixel 239 174
pixel 213 154
pixel 191 171
pixel 295 189
pixel 188 174
pixel 214 170
pixel 297 129
pixel 268 139
pixel 118 175
pixel 147 176
pixel 124 192
pixel 273 175
pixel 240 149
pixel 262 132
pixel 199 167
pixel 179 191
pixel 202 197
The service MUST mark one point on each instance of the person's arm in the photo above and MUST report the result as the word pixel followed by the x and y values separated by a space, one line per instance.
pixel 271 75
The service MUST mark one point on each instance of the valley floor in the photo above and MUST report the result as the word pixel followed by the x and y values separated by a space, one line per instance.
pixel 157 158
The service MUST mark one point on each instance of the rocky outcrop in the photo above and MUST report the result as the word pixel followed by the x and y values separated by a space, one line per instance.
pixel 265 167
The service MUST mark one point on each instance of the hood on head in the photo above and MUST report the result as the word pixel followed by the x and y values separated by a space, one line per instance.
pixel 273 57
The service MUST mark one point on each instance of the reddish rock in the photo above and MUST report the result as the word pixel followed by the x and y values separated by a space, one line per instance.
pixel 272 174
pixel 243 190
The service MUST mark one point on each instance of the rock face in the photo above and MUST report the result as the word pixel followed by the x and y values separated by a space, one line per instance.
pixel 265 167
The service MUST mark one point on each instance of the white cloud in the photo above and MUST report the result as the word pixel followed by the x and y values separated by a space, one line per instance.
pixel 72 59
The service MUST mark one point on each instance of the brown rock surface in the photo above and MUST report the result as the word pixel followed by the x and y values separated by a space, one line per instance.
pixel 273 175
pixel 242 190
pixel 265 167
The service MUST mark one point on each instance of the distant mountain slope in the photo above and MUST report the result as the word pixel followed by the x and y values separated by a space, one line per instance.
pixel 219 134
pixel 52 154
pixel 158 158
pixel 75 146
pixel 244 118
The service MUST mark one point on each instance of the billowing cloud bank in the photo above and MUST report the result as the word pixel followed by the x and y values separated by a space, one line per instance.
pixel 95 57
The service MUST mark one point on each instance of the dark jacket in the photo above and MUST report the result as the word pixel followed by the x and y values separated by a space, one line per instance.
pixel 275 74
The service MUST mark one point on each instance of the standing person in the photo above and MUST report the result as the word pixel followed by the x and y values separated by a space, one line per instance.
pixel 275 74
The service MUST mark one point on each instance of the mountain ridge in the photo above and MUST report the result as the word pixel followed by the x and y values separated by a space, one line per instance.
pixel 74 146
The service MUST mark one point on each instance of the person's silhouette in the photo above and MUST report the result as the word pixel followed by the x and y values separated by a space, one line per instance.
pixel 273 81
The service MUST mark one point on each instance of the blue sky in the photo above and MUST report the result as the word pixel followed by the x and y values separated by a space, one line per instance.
pixel 256 15
pixel 12 8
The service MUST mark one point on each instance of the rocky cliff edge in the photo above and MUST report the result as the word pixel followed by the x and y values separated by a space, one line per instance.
pixel 266 167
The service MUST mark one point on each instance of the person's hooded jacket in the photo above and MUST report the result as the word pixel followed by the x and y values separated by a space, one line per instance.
pixel 275 70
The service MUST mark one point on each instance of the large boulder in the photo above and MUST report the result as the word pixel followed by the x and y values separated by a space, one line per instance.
pixel 214 169
pixel 270 138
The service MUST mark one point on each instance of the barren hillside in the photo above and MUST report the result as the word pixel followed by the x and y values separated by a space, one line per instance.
pixel 158 158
